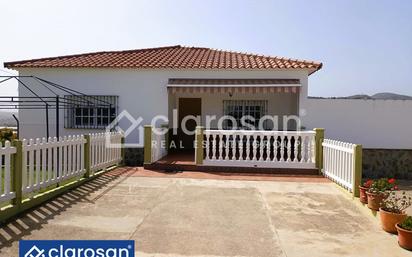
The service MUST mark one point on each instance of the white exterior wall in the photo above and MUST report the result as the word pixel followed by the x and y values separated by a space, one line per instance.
pixel 385 124
pixel 143 93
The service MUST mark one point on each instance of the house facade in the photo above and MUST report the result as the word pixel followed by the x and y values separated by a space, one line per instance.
pixel 151 82
pixel 168 84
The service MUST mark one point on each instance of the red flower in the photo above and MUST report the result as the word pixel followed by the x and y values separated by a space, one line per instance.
pixel 391 181
pixel 395 187
pixel 368 183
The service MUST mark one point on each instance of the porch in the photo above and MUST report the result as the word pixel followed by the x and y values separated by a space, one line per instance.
pixel 231 104
pixel 247 151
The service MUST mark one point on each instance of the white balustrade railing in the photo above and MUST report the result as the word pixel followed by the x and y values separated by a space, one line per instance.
pixel 260 148
pixel 159 147
pixel 338 162
pixel 47 162
pixel 105 150
pixel 6 152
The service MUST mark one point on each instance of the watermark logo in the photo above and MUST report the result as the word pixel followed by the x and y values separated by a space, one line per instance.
pixel 76 248
pixel 35 252
pixel 228 123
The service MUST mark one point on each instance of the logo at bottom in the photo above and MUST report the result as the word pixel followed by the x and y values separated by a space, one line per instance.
pixel 76 248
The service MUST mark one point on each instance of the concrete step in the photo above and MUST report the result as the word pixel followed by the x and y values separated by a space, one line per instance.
pixel 167 167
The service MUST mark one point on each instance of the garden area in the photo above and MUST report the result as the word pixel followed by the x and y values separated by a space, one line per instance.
pixel 384 197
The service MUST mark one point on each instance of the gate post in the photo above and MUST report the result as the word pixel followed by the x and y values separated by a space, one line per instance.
pixel 147 144
pixel 319 136
pixel 87 161
pixel 17 172
pixel 199 145
pixel 357 169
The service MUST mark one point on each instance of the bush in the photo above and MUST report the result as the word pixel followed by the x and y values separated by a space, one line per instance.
pixel 396 203
pixel 6 134
pixel 407 224
pixel 383 185
pixel 367 183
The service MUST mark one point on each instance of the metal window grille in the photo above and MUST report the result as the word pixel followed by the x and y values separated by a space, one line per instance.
pixel 91 112
pixel 239 108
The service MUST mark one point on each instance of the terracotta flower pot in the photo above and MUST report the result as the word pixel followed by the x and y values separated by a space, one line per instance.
pixel 363 198
pixel 404 238
pixel 374 200
pixel 390 219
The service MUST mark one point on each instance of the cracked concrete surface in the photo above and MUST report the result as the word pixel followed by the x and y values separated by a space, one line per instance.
pixel 191 217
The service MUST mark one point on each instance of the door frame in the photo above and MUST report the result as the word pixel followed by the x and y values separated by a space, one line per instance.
pixel 180 135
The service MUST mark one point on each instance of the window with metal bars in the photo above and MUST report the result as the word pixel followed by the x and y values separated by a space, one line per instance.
pixel 90 112
pixel 239 108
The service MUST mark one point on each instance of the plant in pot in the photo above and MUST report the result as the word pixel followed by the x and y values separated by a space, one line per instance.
pixel 405 233
pixel 392 210
pixel 378 191
pixel 362 190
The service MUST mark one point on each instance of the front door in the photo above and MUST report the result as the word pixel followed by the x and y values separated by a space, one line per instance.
pixel 188 106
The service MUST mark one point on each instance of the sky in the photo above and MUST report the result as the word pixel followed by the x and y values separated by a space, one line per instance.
pixel 365 46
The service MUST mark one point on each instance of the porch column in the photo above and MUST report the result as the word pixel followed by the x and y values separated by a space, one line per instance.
pixel 319 136
pixel 199 145
pixel 147 144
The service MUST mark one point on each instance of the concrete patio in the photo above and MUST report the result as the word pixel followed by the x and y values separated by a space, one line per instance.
pixel 178 216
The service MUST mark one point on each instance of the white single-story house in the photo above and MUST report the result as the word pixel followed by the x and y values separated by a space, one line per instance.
pixel 150 82
pixel 201 82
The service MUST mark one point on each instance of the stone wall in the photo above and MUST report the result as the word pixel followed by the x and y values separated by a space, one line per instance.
pixel 387 163
pixel 134 156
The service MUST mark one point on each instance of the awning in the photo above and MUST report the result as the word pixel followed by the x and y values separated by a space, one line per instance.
pixel 233 86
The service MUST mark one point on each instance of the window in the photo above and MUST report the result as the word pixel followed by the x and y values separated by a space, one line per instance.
pixel 239 108
pixel 90 111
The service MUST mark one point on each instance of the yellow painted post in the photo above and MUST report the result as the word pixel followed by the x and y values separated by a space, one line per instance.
pixel 17 173
pixel 167 140
pixel 319 136
pixel 87 161
pixel 199 145
pixel 147 144
pixel 357 169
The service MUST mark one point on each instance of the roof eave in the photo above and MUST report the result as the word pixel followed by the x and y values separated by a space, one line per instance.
pixel 315 70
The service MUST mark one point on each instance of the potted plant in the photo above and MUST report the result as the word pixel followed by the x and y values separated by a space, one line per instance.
pixel 405 233
pixel 362 190
pixel 392 210
pixel 379 191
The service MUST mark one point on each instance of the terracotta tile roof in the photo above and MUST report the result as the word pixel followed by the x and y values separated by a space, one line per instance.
pixel 171 57
pixel 233 81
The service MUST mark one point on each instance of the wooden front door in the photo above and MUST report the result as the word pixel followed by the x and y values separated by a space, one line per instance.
pixel 188 106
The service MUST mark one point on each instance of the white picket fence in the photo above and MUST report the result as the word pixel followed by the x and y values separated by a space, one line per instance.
pixel 6 153
pixel 159 147
pixel 105 150
pixel 257 148
pixel 338 162
pixel 47 162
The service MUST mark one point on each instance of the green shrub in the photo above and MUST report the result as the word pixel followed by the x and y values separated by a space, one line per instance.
pixel 383 185
pixel 407 223
pixel 6 134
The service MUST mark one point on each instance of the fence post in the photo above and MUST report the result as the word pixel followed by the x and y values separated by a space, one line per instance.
pixel 319 136
pixel 147 144
pixel 167 140
pixel 357 169
pixel 199 145
pixel 122 150
pixel 87 164
pixel 18 173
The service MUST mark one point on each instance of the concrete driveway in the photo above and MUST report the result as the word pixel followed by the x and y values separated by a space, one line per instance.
pixel 205 217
